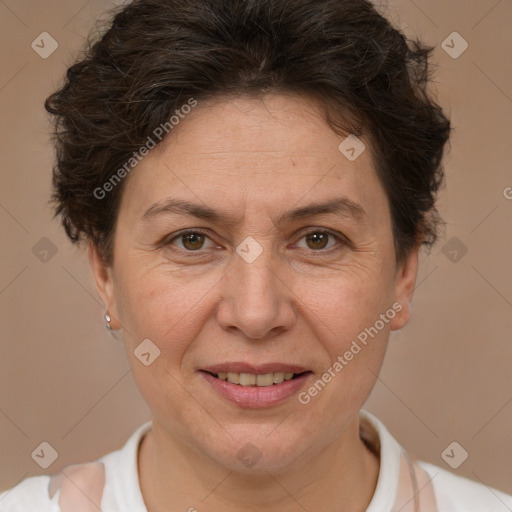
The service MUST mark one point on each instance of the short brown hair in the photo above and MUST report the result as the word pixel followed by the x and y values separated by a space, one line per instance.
pixel 156 54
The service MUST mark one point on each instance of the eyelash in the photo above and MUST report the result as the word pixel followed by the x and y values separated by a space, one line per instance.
pixel 200 252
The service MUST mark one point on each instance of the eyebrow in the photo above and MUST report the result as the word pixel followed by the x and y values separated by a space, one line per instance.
pixel 341 205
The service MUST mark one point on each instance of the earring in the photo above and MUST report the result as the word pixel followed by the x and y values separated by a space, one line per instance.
pixel 107 318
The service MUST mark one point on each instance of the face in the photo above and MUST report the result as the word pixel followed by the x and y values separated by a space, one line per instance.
pixel 287 266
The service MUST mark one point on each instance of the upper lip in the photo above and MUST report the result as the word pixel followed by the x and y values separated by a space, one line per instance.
pixel 257 369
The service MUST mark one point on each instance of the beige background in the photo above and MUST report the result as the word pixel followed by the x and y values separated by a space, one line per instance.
pixel 447 375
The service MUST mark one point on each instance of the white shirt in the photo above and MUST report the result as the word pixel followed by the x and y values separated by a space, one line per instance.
pixel 118 470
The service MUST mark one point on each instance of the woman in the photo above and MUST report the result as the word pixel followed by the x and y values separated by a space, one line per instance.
pixel 254 180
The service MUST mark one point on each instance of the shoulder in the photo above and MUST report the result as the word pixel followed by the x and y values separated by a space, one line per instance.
pixel 30 495
pixel 455 493
pixel 76 486
pixel 96 485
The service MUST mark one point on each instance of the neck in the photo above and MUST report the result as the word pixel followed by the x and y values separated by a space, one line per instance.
pixel 341 476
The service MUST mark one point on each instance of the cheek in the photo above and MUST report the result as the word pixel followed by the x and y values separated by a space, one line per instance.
pixel 345 305
pixel 164 307
pixel 346 314
pixel 355 344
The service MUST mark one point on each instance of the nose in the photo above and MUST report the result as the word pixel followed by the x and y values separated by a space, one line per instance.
pixel 257 300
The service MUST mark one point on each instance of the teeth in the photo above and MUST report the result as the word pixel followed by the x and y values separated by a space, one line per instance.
pixel 247 379
pixel 250 379
pixel 278 377
pixel 267 379
pixel 234 378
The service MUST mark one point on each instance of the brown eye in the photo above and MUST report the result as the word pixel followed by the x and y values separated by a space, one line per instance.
pixel 190 241
pixel 321 241
pixel 317 240
pixel 193 241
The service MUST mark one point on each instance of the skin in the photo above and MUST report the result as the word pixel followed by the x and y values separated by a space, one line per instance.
pixel 300 302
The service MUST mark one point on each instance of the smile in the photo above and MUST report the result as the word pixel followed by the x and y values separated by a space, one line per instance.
pixel 251 379
pixel 252 387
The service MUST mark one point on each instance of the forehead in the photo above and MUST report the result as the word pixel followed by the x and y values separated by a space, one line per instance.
pixel 276 148
pixel 273 126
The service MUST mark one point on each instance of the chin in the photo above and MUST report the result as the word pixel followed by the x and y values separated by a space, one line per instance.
pixel 258 452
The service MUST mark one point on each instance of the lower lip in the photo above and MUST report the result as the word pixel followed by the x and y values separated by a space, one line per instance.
pixel 256 396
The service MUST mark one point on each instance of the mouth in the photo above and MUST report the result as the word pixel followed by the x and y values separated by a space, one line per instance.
pixel 256 386
pixel 258 380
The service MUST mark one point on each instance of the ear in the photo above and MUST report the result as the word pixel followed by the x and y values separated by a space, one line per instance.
pixel 104 283
pixel 404 288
